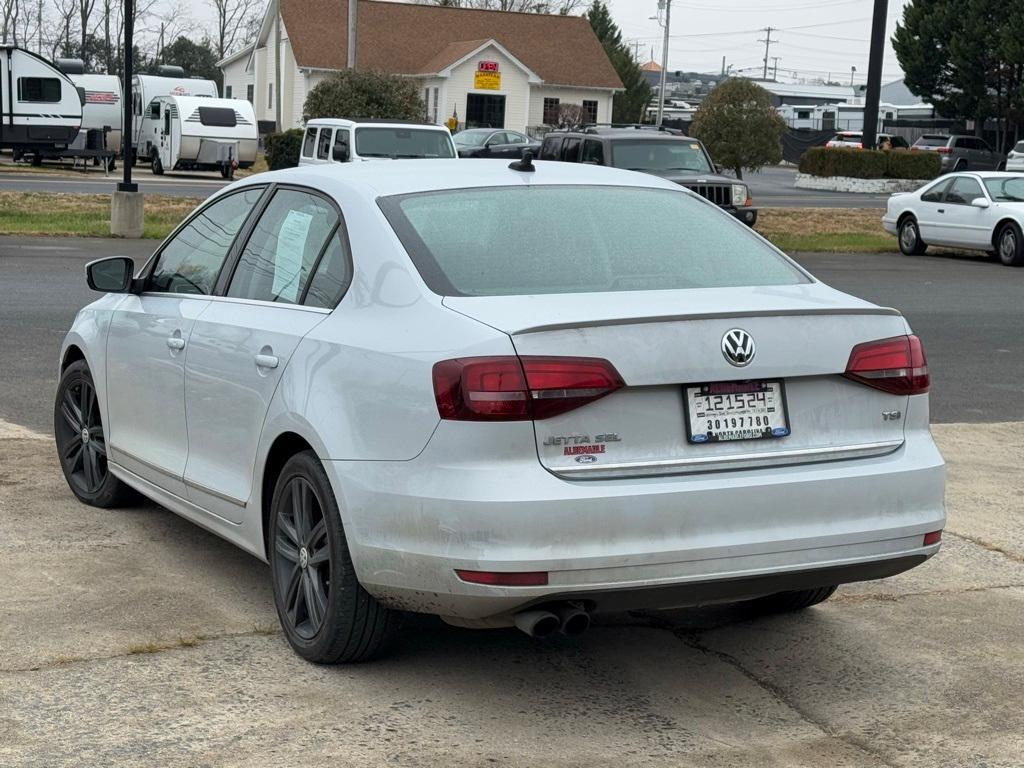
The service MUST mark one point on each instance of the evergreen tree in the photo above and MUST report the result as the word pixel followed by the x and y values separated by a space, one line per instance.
pixel 629 105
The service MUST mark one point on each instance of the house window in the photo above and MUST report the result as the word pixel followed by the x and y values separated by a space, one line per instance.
pixel 803 114
pixel 426 104
pixel 227 91
pixel 550 111
pixel 437 94
pixel 249 92
pixel 39 89
pixel 590 111
pixel 270 95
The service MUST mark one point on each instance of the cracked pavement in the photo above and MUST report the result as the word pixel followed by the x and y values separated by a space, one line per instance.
pixel 132 637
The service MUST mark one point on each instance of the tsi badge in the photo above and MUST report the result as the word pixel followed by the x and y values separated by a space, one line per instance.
pixel 892 415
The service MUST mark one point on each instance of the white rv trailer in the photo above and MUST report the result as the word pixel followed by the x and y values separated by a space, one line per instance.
pixel 40 108
pixel 201 134
pixel 145 88
pixel 103 108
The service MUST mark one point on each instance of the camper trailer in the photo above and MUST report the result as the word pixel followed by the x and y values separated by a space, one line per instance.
pixel 169 81
pixel 40 108
pixel 200 134
pixel 103 110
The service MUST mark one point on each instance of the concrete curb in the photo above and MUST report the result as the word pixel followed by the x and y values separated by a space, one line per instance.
pixel 850 184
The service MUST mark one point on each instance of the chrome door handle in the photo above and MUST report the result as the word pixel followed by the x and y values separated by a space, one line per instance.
pixel 942 210
pixel 176 343
pixel 267 361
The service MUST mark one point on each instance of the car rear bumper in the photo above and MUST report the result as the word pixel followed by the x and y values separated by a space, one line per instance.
pixel 652 542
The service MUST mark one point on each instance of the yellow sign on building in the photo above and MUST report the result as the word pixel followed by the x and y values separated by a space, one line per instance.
pixel 487 81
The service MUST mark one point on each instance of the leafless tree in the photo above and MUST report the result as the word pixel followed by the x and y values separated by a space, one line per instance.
pixel 571 116
pixel 85 9
pixel 67 12
pixel 232 23
pixel 9 10
pixel 563 7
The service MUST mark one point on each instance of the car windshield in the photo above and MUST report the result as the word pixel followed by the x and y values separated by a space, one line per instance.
pixel 1006 189
pixel 932 141
pixel 660 155
pixel 513 241
pixel 401 143
pixel 1019 147
pixel 471 138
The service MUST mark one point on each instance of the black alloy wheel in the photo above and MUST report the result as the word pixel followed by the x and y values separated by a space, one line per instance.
pixel 302 552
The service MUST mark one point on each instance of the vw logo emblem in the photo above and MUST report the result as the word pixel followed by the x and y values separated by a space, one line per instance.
pixel 738 347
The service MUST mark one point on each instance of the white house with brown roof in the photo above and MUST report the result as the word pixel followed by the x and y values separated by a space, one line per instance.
pixel 487 68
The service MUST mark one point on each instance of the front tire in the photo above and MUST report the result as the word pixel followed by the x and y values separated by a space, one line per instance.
pixel 326 614
pixel 909 236
pixel 157 166
pixel 787 602
pixel 82 442
pixel 1010 245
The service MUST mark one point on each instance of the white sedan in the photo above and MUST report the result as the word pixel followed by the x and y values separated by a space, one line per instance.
pixel 981 211
pixel 502 394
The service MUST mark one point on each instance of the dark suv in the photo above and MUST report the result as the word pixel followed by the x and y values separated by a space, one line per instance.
pixel 662 153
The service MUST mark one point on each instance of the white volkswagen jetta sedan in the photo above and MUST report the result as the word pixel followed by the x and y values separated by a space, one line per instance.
pixel 505 395
pixel 979 211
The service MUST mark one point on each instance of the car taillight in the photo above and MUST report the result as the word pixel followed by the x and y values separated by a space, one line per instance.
pixel 895 365
pixel 510 388
pixel 944 150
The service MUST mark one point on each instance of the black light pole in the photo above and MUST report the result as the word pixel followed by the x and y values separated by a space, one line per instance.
pixel 126 97
pixel 874 89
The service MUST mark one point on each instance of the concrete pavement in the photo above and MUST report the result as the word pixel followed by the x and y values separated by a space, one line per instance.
pixel 132 638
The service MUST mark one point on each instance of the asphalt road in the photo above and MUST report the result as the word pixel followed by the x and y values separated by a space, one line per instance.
pixel 967 310
pixel 771 187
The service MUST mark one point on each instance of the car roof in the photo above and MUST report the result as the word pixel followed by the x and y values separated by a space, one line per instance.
pixel 622 133
pixel 339 122
pixel 384 178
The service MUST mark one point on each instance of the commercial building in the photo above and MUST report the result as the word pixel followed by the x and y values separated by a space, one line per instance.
pixel 485 68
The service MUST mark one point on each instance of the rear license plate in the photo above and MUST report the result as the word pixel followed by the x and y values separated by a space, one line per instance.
pixel 736 410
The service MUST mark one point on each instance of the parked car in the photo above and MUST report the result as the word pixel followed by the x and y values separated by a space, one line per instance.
pixel 487 142
pixel 677 158
pixel 1015 160
pixel 979 211
pixel 505 394
pixel 332 140
pixel 855 140
pixel 961 153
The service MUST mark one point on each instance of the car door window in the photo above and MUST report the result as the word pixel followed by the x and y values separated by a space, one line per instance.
pixel 341 141
pixel 593 152
pixel 323 147
pixel 309 142
pixel 550 148
pixel 571 150
pixel 332 275
pixel 963 190
pixel 934 195
pixel 283 248
pixel 497 139
pixel 192 259
pixel 517 138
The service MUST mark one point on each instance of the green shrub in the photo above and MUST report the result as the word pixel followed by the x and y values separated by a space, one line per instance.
pixel 842 161
pixel 283 149
pixel 904 164
pixel 361 93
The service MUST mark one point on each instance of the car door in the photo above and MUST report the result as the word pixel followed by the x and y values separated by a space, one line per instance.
pixel 241 344
pixel 930 211
pixel 148 342
pixel 962 223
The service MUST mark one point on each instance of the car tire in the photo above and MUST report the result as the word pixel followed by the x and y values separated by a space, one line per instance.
pixel 82 443
pixel 1010 245
pixel 327 616
pixel 156 165
pixel 787 602
pixel 909 237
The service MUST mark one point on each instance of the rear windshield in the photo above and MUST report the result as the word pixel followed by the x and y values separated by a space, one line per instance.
pixel 399 143
pixel 513 241
pixel 220 117
pixel 932 141
pixel 1006 189
pixel 660 155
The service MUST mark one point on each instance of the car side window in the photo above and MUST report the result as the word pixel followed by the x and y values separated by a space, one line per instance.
pixel 332 275
pixel 323 147
pixel 571 150
pixel 593 152
pixel 934 194
pixel 898 142
pixel 496 139
pixel 309 142
pixel 516 138
pixel 341 139
pixel 191 261
pixel 963 190
pixel 283 248
pixel 549 150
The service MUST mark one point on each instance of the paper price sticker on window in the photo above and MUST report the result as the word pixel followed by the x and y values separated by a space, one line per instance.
pixel 291 245
pixel 487 81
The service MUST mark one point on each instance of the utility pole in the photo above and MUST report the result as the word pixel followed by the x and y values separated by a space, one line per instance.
pixel 723 66
pixel 352 9
pixel 767 40
pixel 775 67
pixel 853 71
pixel 664 62
pixel 127 150
pixel 874 89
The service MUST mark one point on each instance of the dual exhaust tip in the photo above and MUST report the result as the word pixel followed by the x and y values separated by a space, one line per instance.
pixel 568 618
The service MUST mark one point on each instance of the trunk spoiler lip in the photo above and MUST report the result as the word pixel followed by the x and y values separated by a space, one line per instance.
pixel 645 319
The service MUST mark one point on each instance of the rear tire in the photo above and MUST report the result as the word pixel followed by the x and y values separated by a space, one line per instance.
pixel 157 166
pixel 909 237
pixel 787 602
pixel 1010 245
pixel 83 459
pixel 326 614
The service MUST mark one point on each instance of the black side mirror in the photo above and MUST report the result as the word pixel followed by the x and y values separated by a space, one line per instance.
pixel 340 153
pixel 110 275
